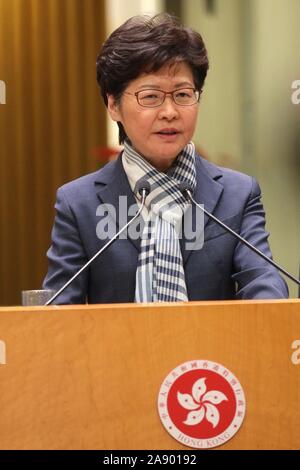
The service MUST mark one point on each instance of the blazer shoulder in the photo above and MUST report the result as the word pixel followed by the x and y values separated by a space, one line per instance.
pixel 220 172
pixel 229 178
pixel 84 183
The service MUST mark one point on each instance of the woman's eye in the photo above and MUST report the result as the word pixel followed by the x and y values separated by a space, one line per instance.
pixel 151 96
pixel 183 94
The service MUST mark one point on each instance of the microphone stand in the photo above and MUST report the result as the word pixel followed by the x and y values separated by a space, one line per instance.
pixel 143 191
pixel 241 239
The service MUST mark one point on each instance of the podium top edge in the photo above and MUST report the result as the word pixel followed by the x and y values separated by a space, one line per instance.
pixel 125 306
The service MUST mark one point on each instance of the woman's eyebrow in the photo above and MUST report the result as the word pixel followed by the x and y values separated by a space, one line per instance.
pixel 177 85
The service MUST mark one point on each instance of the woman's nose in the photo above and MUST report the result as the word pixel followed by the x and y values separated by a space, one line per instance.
pixel 168 109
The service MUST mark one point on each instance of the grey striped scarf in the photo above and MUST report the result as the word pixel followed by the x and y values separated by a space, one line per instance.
pixel 160 275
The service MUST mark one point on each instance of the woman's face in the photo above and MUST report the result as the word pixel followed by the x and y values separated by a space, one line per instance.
pixel 159 134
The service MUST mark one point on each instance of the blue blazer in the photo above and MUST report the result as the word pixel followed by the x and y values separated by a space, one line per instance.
pixel 222 269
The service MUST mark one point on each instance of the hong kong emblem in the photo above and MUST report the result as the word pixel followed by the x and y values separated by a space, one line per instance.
pixel 201 404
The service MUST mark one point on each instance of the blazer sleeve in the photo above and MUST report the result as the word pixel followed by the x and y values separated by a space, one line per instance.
pixel 66 255
pixel 254 277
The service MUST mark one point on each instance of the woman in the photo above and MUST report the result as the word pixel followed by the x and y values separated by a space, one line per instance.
pixel 151 72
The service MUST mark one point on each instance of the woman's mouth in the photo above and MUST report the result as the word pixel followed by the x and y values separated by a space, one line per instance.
pixel 168 132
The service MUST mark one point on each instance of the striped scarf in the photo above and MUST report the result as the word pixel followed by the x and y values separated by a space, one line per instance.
pixel 160 275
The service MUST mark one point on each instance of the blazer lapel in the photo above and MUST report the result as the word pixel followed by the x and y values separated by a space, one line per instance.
pixel 111 184
pixel 208 192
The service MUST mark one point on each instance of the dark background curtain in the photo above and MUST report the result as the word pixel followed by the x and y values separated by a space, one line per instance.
pixel 50 126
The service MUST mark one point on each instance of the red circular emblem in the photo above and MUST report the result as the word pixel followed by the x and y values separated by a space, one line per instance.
pixel 201 404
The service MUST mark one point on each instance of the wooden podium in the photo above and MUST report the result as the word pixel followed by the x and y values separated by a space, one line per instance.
pixel 88 377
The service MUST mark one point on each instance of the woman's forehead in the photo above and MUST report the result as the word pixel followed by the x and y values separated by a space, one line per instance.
pixel 178 73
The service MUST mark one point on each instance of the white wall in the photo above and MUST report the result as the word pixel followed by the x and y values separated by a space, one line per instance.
pixel 247 120
pixel 275 40
pixel 219 125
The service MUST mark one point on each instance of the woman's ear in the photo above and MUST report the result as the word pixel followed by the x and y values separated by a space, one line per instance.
pixel 113 108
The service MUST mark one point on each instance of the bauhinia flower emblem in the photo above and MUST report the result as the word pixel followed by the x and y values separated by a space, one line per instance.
pixel 201 403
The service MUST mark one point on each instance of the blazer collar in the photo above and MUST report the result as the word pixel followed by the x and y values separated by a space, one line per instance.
pixel 209 188
pixel 208 192
pixel 111 182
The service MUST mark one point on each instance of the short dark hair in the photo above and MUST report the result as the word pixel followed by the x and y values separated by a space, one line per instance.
pixel 144 44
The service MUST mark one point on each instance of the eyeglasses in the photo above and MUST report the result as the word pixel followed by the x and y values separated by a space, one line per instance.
pixel 155 98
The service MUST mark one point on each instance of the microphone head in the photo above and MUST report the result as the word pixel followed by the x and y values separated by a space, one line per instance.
pixel 185 188
pixel 142 186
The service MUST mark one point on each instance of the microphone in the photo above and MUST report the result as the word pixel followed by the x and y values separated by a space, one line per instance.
pixel 187 193
pixel 143 188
